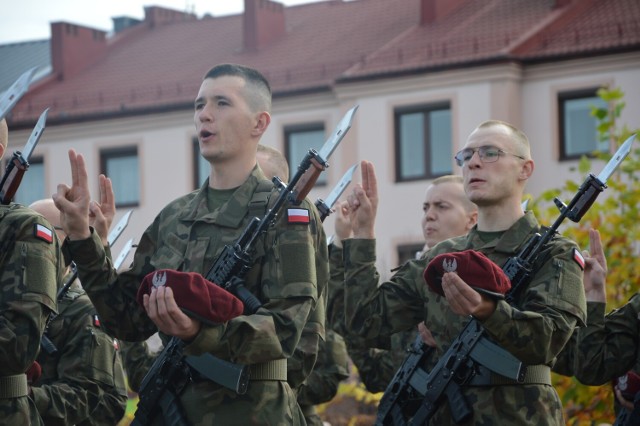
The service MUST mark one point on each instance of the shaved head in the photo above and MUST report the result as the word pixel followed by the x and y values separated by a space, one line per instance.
pixel 47 209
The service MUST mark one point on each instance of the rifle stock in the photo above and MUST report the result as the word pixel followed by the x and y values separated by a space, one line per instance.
pixel 12 178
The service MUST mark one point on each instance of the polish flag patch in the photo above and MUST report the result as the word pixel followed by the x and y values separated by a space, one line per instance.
pixel 43 233
pixel 298 215
pixel 577 256
pixel 96 321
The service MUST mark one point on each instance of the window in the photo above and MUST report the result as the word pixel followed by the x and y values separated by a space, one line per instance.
pixel 423 142
pixel 201 167
pixel 578 128
pixel 32 186
pixel 298 141
pixel 408 252
pixel 121 166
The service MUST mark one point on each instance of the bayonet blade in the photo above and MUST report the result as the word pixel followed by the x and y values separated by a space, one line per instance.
pixel 12 95
pixel 122 223
pixel 337 190
pixel 36 133
pixel 341 129
pixel 617 158
pixel 123 254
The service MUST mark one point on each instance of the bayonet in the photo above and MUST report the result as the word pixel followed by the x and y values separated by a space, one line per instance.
pixel 117 230
pixel 123 254
pixel 12 95
pixel 341 129
pixel 325 206
pixel 615 161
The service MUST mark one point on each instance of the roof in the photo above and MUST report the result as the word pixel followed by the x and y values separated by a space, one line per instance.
pixel 19 57
pixel 154 68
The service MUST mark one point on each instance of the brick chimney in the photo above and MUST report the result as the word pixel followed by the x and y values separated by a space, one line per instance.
pixel 75 48
pixel 434 10
pixel 155 15
pixel 263 22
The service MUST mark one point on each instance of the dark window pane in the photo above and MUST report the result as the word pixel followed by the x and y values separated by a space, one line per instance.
pixel 121 166
pixel 579 133
pixel 32 186
pixel 299 140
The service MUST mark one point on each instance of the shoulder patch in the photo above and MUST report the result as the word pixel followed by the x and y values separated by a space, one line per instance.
pixel 298 215
pixel 577 256
pixel 96 321
pixel 43 233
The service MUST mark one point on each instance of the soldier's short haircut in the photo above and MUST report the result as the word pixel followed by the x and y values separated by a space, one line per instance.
pixel 274 163
pixel 259 94
pixel 468 205
pixel 4 133
pixel 518 136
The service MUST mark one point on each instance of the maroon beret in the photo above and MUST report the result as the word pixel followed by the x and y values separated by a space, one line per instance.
pixel 195 295
pixel 33 373
pixel 473 267
pixel 628 384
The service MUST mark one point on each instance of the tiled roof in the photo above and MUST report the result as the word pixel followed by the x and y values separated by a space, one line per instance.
pixel 329 42
pixel 19 57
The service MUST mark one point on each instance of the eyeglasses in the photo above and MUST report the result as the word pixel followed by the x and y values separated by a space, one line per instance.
pixel 487 154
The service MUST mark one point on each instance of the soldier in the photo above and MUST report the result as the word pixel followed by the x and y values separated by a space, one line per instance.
pixel 447 213
pixel 496 163
pixel 30 268
pixel 288 274
pixel 607 348
pixel 82 383
pixel 331 367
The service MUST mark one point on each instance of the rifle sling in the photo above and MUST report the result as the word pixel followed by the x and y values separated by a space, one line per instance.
pixel 270 370
pixel 535 375
pixel 13 386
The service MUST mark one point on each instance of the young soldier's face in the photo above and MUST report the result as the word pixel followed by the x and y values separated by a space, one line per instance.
pixel 445 215
pixel 489 182
pixel 223 119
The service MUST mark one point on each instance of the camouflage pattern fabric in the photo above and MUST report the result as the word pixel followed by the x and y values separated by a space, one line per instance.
pixel 137 359
pixel 30 269
pixel 290 263
pixel 376 367
pixel 534 330
pixel 330 369
pixel 606 348
pixel 83 382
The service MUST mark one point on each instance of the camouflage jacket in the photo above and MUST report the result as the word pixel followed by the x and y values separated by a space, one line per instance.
pixel 545 313
pixel 83 382
pixel 606 348
pixel 290 264
pixel 137 359
pixel 30 268
pixel 376 367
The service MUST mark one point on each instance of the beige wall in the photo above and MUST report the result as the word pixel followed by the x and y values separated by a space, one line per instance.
pixel 525 97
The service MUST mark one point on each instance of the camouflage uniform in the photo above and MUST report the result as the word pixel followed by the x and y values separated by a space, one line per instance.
pixel 321 386
pixel 137 360
pixel 30 269
pixel 534 330
pixel 83 382
pixel 290 264
pixel 606 348
pixel 376 367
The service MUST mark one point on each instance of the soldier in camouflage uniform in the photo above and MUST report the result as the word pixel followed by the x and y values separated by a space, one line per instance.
pixel 82 383
pixel 319 385
pixel 288 274
pixel 30 268
pixel 496 164
pixel 447 213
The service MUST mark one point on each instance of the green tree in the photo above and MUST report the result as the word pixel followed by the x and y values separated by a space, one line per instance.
pixel 614 214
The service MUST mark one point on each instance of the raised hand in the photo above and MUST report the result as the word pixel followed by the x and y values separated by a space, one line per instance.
pixel 595 269
pixel 73 202
pixel 343 222
pixel 363 203
pixel 101 214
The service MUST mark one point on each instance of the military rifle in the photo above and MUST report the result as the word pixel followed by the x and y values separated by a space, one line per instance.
pixel 171 371
pixel 412 386
pixel 19 163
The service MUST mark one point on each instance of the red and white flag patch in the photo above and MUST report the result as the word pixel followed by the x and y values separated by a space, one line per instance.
pixel 298 215
pixel 577 256
pixel 43 233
